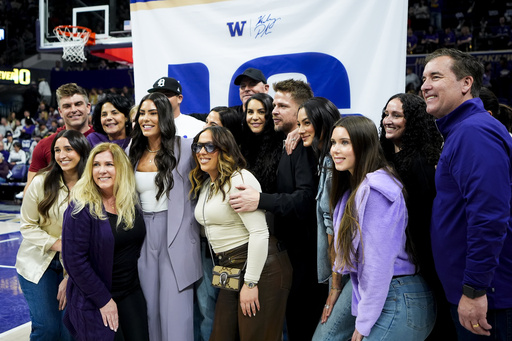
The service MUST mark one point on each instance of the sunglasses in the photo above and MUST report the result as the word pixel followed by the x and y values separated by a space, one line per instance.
pixel 209 147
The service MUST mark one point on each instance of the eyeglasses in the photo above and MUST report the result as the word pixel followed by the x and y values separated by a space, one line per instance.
pixel 209 147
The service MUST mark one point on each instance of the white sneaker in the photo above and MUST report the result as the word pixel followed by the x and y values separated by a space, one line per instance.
pixel 19 195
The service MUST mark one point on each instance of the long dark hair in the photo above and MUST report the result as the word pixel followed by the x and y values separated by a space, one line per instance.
pixel 262 151
pixel 369 158
pixel 167 158
pixel 54 174
pixel 322 114
pixel 121 103
pixel 420 140
pixel 230 160
pixel 229 118
pixel 420 135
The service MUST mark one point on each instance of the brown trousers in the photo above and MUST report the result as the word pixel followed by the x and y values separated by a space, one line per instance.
pixel 273 288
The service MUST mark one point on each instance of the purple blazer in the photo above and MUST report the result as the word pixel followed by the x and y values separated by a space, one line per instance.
pixel 183 241
pixel 182 228
pixel 88 254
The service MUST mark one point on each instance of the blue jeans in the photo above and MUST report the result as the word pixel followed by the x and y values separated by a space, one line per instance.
pixel 436 19
pixel 409 312
pixel 340 324
pixel 43 305
pixel 206 298
pixel 499 319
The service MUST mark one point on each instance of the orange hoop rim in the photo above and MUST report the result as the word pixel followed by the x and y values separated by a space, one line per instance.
pixel 60 30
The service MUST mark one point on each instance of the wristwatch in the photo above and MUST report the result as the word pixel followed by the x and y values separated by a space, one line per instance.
pixel 472 292
pixel 251 284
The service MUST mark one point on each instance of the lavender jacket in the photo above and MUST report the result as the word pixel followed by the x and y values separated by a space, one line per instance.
pixel 382 215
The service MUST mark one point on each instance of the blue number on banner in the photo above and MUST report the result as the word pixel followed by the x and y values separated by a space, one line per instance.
pixel 326 75
pixel 195 82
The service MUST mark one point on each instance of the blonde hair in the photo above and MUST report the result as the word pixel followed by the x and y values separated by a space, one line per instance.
pixel 86 192
pixel 133 113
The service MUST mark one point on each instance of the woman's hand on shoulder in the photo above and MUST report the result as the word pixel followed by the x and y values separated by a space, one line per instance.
pixel 249 300
pixel 109 315
pixel 292 140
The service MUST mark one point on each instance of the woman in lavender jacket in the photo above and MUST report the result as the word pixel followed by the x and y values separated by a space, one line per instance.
pixel 370 218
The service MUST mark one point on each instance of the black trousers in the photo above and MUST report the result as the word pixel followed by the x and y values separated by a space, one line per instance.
pixel 133 317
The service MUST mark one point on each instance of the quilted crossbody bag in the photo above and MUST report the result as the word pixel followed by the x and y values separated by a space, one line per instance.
pixel 227 278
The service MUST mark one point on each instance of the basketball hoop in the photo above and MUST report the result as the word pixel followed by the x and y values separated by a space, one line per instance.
pixel 73 39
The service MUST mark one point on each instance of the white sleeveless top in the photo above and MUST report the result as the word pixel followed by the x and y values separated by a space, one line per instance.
pixel 146 187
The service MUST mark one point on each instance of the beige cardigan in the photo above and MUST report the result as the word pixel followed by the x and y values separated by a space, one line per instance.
pixel 34 255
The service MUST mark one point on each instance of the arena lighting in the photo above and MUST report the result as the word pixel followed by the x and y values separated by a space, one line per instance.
pixel 2 34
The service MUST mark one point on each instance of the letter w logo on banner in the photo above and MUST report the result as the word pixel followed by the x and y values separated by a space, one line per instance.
pixel 237 29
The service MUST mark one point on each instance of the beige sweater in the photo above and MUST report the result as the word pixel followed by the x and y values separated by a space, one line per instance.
pixel 226 229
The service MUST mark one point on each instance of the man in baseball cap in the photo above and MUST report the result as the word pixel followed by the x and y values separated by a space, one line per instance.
pixel 251 81
pixel 186 125
pixel 167 86
pixel 9 141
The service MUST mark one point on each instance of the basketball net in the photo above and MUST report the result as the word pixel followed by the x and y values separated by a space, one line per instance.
pixel 73 39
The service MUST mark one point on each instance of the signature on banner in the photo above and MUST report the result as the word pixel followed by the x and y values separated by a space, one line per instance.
pixel 264 25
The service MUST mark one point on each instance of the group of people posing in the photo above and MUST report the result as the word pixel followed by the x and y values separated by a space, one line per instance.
pixel 340 233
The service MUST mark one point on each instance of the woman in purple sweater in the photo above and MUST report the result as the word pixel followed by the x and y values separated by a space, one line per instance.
pixel 390 301
pixel 111 121
pixel 102 234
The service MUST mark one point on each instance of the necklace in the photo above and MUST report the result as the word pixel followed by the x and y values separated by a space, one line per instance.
pixel 112 204
pixel 152 151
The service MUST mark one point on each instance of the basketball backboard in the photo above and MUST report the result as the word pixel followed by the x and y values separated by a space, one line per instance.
pixel 108 19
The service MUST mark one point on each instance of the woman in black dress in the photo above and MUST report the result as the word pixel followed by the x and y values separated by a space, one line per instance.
pixel 412 143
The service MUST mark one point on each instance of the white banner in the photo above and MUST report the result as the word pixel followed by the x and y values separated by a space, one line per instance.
pixel 350 51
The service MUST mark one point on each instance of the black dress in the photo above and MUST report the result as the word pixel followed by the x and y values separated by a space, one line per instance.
pixel 126 290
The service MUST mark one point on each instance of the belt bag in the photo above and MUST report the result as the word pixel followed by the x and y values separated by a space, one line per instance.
pixel 227 278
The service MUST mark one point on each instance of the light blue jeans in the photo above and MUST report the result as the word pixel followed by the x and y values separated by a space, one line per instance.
pixel 409 313
pixel 206 297
pixel 340 324
pixel 42 301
